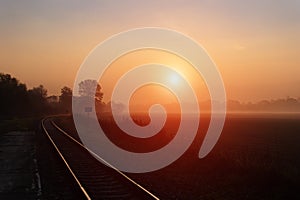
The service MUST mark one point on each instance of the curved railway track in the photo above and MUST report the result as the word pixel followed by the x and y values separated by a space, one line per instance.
pixel 95 180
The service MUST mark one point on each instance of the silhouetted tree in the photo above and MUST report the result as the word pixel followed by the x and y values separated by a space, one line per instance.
pixel 37 97
pixel 17 101
pixel 13 96
pixel 65 99
pixel 39 93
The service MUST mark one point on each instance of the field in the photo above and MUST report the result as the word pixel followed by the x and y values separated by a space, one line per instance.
pixel 256 157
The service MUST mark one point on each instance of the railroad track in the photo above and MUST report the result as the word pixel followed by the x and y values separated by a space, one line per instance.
pixel 95 180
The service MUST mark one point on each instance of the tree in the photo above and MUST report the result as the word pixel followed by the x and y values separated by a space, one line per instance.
pixel 39 93
pixel 65 99
pixel 37 97
pixel 90 88
pixel 13 96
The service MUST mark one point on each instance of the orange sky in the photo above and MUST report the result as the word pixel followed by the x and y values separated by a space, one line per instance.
pixel 255 44
pixel 136 58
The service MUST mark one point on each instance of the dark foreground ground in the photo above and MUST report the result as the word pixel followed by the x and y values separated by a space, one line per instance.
pixel 257 157
pixel 19 176
pixel 29 166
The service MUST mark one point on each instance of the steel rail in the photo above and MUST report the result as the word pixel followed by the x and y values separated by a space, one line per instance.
pixel 65 162
pixel 95 155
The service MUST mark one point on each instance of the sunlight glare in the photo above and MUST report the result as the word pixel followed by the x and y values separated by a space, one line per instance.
pixel 174 78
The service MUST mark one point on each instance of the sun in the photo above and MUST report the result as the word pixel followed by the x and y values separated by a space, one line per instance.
pixel 182 71
pixel 174 78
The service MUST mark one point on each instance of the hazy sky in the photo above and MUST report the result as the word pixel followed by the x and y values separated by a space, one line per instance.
pixel 255 44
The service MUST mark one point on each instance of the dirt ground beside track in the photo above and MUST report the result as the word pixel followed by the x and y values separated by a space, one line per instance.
pixel 19 176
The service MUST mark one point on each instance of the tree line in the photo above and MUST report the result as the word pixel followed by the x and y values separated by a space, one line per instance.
pixel 16 100
pixel 288 104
